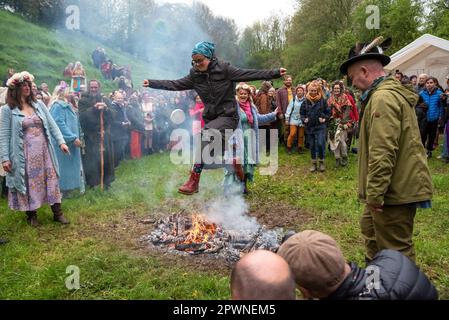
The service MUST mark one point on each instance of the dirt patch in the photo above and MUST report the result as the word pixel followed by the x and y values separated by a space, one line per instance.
pixel 279 214
pixel 126 232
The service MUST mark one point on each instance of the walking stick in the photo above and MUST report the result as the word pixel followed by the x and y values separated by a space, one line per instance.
pixel 101 150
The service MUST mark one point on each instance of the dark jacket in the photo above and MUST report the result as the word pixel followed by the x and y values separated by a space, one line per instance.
pixel 135 116
pixel 390 276
pixel 118 130
pixel 421 115
pixel 90 123
pixel 216 87
pixel 314 111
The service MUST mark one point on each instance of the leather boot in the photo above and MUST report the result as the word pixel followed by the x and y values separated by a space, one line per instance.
pixel 344 162
pixel 238 169
pixel 322 168
pixel 57 214
pixel 314 167
pixel 192 185
pixel 32 218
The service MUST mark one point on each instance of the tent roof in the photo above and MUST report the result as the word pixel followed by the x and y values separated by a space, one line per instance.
pixel 415 47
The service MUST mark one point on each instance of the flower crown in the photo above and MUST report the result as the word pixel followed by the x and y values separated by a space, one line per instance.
pixel 62 86
pixel 18 78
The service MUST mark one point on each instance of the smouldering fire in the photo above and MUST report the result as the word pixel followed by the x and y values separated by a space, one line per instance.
pixel 201 231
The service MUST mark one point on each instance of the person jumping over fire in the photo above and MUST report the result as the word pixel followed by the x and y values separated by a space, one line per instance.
pixel 214 81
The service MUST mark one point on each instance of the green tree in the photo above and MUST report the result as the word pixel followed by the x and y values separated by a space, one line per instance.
pixel 437 21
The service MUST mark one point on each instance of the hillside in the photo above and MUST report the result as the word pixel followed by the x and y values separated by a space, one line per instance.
pixel 45 53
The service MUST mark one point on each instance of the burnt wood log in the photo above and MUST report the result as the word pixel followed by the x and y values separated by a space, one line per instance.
pixel 188 246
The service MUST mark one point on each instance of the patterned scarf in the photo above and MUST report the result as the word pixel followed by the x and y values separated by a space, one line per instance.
pixel 338 102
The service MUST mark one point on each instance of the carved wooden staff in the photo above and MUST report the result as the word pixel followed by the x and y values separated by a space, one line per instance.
pixel 102 149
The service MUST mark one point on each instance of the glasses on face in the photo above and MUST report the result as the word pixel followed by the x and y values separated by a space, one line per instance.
pixel 198 61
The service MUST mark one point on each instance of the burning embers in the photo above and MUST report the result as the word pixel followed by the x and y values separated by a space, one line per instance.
pixel 195 235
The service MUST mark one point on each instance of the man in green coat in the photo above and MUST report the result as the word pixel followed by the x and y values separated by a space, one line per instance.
pixel 394 179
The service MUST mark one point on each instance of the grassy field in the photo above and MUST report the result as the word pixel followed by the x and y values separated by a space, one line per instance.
pixel 45 53
pixel 103 239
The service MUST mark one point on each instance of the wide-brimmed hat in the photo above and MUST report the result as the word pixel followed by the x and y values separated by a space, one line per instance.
pixel 364 51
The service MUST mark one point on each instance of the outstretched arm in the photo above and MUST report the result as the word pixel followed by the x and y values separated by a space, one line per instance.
pixel 236 74
pixel 185 83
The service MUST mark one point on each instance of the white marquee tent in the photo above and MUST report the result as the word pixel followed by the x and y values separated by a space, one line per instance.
pixel 427 54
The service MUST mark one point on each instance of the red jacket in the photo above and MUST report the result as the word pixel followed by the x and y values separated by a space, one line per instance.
pixel 354 112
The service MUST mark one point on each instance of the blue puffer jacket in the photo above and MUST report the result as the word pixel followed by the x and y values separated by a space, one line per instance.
pixel 390 276
pixel 433 101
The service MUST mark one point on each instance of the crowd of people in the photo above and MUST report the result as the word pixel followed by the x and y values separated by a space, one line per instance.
pixel 76 139
pixel 52 146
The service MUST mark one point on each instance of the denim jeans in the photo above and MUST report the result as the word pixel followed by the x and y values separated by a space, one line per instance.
pixel 317 144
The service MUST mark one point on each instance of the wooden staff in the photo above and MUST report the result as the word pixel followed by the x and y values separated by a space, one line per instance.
pixel 102 149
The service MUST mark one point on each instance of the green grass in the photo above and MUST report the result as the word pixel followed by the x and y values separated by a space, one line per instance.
pixel 33 264
pixel 45 53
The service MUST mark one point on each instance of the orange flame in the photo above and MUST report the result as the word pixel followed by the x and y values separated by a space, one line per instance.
pixel 201 231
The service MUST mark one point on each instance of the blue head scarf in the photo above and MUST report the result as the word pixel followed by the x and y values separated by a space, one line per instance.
pixel 204 48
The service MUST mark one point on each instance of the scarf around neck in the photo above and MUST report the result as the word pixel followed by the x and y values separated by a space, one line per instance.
pixel 339 101
pixel 246 107
pixel 316 98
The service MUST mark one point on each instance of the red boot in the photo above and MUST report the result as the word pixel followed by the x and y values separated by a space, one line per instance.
pixel 192 185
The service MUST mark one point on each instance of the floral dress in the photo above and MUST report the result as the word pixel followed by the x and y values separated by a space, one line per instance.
pixel 41 179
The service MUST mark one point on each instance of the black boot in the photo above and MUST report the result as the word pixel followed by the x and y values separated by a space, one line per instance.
pixel 4 193
pixel 245 185
pixel 32 218
pixel 57 214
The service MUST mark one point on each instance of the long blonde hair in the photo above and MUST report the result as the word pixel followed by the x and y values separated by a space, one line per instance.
pixel 61 92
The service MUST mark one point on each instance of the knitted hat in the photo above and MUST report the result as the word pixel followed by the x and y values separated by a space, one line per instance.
pixel 204 48
pixel 315 259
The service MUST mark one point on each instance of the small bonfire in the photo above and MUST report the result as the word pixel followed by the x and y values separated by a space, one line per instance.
pixel 193 234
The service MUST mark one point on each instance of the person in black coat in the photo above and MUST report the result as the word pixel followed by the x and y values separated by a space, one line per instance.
pixel 214 81
pixel 321 272
pixel 120 127
pixel 91 106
